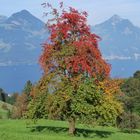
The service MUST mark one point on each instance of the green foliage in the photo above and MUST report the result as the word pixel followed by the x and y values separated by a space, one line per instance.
pixel 12 98
pixel 137 74
pixel 36 108
pixel 131 97
pixel 88 104
pixel 27 89
pixel 37 104
pixel 91 104
pixel 3 95
pixel 128 122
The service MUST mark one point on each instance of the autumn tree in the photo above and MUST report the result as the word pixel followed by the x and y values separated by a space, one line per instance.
pixel 73 70
pixel 21 101
pixel 20 106
pixel 36 107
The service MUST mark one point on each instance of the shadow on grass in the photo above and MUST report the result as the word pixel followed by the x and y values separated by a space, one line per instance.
pixel 79 131
pixel 130 132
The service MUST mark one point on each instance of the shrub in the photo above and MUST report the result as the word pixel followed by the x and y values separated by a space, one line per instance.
pixel 4 106
pixel 128 121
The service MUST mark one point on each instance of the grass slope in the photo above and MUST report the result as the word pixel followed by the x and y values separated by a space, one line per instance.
pixel 57 130
pixel 8 105
pixel 4 113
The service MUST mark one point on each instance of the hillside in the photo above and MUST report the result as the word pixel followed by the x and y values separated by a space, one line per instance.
pixel 3 112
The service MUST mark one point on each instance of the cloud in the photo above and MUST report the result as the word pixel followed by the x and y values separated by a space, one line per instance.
pixel 7 63
pixel 30 46
pixel 136 56
pixel 116 57
pixel 4 47
pixel 16 63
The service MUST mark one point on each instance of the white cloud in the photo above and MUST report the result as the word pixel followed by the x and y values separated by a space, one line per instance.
pixel 137 56
pixel 30 46
pixel 7 63
pixel 116 57
pixel 4 47
pixel 16 63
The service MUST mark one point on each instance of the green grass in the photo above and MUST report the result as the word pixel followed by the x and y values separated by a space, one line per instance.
pixel 8 105
pixel 4 113
pixel 57 130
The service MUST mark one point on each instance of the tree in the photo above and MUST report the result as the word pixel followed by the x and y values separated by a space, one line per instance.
pixel 27 89
pixel 36 106
pixel 22 101
pixel 12 98
pixel 73 49
pixel 131 90
pixel 129 121
pixel 20 106
pixel 4 106
pixel 73 70
pixel 3 95
pixel 137 74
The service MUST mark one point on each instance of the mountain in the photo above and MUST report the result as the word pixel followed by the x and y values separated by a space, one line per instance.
pixel 20 39
pixel 2 18
pixel 22 34
pixel 120 45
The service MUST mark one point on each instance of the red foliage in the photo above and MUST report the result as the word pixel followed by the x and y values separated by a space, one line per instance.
pixel 71 29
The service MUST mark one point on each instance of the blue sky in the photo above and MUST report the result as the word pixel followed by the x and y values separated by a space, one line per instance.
pixel 98 10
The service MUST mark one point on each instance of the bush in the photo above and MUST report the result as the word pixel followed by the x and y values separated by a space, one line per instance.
pixel 15 113
pixel 4 106
pixel 9 113
pixel 127 122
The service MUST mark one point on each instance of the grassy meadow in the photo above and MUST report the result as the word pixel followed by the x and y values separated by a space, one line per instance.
pixel 3 112
pixel 57 130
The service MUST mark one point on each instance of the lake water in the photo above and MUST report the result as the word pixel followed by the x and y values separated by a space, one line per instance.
pixel 13 78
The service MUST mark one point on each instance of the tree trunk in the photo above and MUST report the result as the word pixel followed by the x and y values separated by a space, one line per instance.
pixel 71 126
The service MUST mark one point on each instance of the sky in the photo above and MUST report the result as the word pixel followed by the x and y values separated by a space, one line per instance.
pixel 98 10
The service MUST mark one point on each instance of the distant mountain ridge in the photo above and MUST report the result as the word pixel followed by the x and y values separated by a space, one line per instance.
pixel 20 39
pixel 120 45
pixel 2 18
pixel 120 38
pixel 25 20
pixel 22 34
